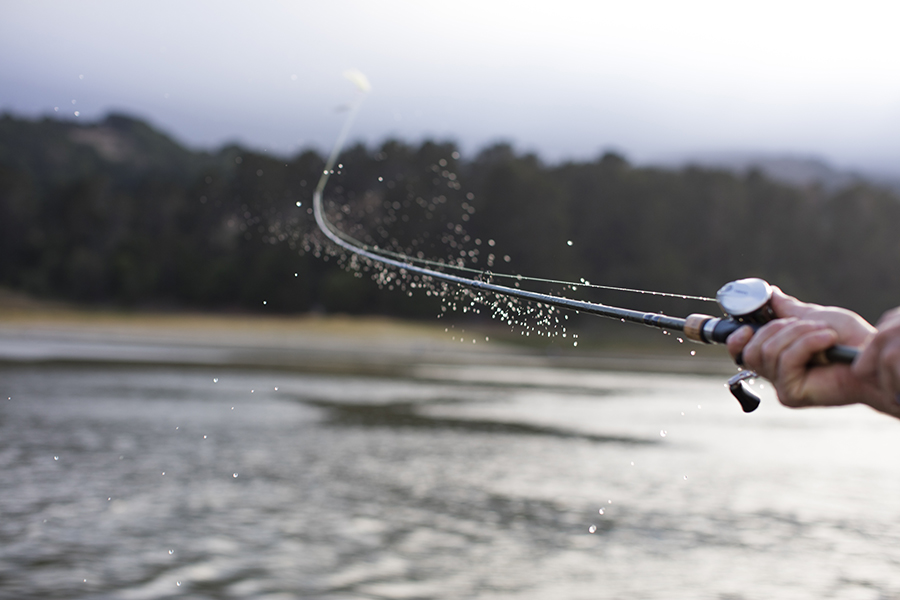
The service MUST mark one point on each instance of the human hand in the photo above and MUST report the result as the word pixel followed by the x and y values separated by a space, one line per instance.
pixel 879 361
pixel 783 349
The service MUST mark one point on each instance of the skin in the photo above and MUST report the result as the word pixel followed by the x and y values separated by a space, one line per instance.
pixel 782 351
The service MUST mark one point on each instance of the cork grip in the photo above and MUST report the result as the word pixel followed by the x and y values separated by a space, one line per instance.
pixel 693 327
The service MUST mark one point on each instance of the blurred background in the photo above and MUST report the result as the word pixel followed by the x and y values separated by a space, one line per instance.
pixel 678 147
pixel 201 398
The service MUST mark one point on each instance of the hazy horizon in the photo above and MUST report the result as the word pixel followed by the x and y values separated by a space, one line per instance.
pixel 655 82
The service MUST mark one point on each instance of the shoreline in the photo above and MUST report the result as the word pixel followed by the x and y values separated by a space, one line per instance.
pixel 42 334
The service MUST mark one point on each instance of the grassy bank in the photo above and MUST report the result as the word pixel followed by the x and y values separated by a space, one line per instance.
pixel 317 342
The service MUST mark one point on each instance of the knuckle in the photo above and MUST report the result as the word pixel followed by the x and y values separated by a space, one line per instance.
pixel 790 401
pixel 793 400
pixel 890 318
pixel 890 355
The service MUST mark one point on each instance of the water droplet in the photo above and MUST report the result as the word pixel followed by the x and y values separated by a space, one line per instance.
pixel 574 343
pixel 381 179
pixel 685 477
pixel 164 473
pixel 215 380
pixel 569 242
pixel 276 389
pixel 204 437
pixel 632 463
pixel 299 204
pixel 693 353
pixel 602 511
pixel 108 499
pixel 235 475
pixel 592 529
pixel 295 274
pixel 663 433
pixel 698 406
pixel 264 301
pixel 609 501
pixel 680 341
pixel 178 583
pixel 55 458
pixel 171 552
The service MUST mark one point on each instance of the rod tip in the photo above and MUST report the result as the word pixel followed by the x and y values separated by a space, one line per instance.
pixel 359 80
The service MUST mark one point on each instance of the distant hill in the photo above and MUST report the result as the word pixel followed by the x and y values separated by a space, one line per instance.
pixel 55 151
pixel 116 211
pixel 795 170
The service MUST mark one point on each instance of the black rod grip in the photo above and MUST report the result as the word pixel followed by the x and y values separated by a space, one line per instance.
pixel 842 354
pixel 838 354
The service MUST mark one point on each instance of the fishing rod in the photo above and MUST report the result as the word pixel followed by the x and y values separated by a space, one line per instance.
pixel 744 302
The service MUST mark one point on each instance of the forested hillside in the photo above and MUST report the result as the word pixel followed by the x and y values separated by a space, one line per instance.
pixel 115 212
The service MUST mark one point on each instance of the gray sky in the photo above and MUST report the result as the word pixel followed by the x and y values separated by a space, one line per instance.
pixel 563 78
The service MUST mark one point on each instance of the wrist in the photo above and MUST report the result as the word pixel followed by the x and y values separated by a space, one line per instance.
pixel 883 402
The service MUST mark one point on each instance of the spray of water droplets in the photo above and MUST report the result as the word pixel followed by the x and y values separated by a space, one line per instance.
pixel 410 206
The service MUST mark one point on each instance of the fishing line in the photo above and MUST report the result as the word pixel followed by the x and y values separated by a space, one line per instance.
pixel 494 275
pixel 405 261
pixel 745 301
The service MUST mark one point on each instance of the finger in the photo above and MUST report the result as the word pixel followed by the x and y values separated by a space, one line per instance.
pixel 772 349
pixel 736 342
pixel 889 367
pixel 787 306
pixel 889 318
pixel 868 364
pixel 793 363
pixel 752 352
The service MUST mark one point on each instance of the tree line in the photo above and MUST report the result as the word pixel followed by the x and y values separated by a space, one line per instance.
pixel 115 212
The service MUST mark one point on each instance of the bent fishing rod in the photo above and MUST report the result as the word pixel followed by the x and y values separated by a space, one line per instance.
pixel 743 302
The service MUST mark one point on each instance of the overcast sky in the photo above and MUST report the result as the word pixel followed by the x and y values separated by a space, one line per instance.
pixel 564 78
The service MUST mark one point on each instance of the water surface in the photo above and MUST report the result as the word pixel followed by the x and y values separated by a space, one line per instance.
pixel 454 482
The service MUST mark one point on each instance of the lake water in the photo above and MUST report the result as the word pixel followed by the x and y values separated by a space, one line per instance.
pixel 452 482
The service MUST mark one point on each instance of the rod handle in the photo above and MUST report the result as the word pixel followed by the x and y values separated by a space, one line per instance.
pixel 841 354
pixel 713 330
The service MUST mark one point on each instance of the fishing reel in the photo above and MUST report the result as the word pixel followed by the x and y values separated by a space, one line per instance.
pixel 747 302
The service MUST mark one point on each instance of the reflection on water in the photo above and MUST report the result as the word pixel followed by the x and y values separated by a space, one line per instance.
pixel 410 415
pixel 456 483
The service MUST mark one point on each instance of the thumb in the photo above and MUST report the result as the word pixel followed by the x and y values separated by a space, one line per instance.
pixel 787 306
